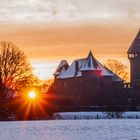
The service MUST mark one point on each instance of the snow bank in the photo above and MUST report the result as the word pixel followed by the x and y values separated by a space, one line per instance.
pixel 93 115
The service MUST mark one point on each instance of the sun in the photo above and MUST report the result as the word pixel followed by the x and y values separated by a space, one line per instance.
pixel 32 94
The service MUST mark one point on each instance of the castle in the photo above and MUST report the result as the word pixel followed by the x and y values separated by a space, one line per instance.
pixel 86 82
pixel 134 57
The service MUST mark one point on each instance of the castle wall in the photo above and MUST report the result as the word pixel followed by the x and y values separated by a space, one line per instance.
pixel 85 90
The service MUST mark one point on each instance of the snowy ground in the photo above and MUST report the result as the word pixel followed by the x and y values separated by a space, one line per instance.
pixel 71 130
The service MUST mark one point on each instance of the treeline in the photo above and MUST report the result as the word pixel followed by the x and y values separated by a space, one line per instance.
pixel 16 78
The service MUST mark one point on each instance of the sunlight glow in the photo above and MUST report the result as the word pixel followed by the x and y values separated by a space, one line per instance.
pixel 32 94
pixel 44 70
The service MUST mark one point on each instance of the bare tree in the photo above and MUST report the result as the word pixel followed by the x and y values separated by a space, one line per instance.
pixel 15 71
pixel 118 68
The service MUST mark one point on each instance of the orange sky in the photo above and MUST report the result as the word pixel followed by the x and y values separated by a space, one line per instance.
pixel 49 31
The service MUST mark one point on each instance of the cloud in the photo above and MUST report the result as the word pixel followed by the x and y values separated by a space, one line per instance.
pixel 44 11
pixel 34 11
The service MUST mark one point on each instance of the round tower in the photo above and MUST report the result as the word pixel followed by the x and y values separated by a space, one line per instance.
pixel 134 57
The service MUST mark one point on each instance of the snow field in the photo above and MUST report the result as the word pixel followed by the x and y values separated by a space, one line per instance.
pixel 102 129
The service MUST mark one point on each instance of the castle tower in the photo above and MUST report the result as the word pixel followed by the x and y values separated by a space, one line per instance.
pixel 134 57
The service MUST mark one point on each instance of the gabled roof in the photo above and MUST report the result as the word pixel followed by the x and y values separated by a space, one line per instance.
pixel 135 46
pixel 86 64
pixel 61 67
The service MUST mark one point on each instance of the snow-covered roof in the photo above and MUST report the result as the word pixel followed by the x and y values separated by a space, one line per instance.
pixel 104 71
pixel 115 77
pixel 80 65
pixel 72 71
pixel 61 68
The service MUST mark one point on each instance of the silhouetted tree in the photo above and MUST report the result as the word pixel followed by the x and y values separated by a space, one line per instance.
pixel 15 70
pixel 117 67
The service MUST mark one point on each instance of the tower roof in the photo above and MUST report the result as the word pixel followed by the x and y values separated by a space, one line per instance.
pixel 90 63
pixel 135 46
